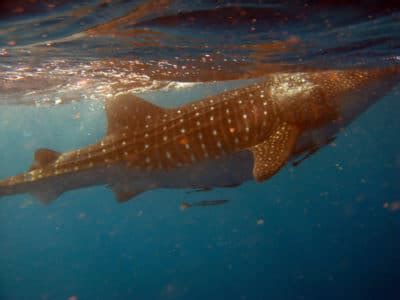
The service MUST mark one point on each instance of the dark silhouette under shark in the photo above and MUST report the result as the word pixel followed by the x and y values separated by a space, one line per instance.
pixel 219 141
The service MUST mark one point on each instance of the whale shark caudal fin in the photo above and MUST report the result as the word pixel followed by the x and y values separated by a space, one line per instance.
pixel 127 111
pixel 271 155
pixel 44 157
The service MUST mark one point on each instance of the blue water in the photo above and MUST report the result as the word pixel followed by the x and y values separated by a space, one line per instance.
pixel 328 229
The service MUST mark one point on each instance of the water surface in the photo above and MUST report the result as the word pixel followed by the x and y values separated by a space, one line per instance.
pixel 328 229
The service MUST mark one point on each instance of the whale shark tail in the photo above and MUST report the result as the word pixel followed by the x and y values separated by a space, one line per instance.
pixel 23 183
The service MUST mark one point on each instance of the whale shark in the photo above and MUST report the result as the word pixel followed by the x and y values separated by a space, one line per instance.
pixel 248 133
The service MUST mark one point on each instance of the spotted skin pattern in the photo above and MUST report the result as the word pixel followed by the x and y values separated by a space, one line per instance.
pixel 272 118
pixel 206 129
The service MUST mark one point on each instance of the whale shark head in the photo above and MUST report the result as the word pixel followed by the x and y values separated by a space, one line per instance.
pixel 319 98
pixel 354 91
pixel 321 103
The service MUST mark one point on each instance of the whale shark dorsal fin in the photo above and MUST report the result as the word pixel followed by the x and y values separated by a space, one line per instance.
pixel 127 111
pixel 44 157
pixel 272 154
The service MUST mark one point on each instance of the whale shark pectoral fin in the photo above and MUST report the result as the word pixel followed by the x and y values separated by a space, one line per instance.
pixel 44 157
pixel 271 155
pixel 46 197
pixel 123 193
pixel 127 111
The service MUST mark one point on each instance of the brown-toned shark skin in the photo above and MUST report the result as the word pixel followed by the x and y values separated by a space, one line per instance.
pixel 207 143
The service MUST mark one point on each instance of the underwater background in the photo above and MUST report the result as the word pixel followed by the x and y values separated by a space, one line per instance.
pixel 327 229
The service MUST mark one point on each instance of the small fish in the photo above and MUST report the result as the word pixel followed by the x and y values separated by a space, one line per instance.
pixel 203 203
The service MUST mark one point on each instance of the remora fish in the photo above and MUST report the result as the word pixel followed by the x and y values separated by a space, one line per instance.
pixel 219 141
pixel 203 203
